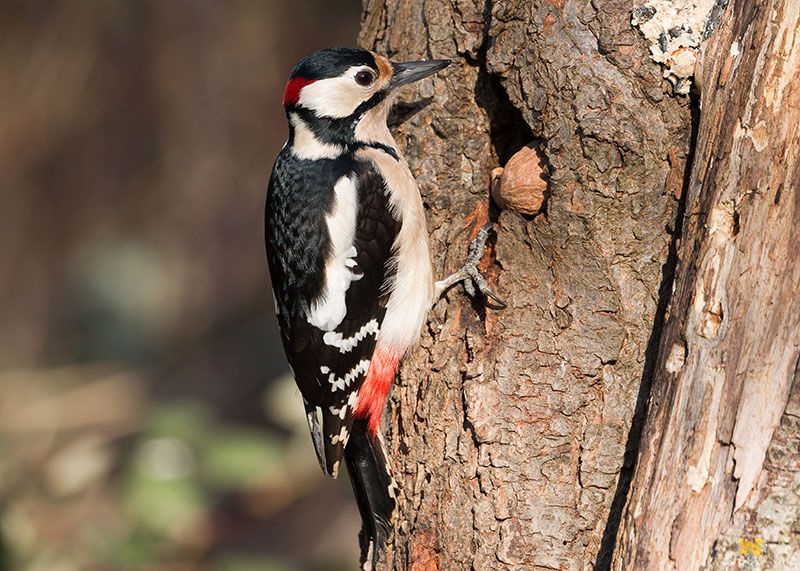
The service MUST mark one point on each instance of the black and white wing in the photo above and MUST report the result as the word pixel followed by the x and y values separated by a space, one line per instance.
pixel 330 233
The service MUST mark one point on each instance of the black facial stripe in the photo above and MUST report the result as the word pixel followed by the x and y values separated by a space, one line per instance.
pixel 370 103
pixel 380 146
pixel 336 131
pixel 324 133
pixel 328 129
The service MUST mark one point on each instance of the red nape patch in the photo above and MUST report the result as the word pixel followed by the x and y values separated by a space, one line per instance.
pixel 293 87
pixel 372 394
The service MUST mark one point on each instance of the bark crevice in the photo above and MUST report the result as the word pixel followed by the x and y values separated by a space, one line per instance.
pixel 508 129
pixel 718 452
pixel 665 289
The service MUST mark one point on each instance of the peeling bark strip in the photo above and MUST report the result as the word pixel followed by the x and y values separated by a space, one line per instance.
pixel 713 471
pixel 508 429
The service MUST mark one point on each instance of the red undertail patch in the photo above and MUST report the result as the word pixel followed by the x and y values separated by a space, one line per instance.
pixel 292 93
pixel 373 393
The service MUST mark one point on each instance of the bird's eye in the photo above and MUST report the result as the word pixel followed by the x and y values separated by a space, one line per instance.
pixel 364 78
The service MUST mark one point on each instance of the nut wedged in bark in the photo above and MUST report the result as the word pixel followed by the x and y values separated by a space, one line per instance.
pixel 520 186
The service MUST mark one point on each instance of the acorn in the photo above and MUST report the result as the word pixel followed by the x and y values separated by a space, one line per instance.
pixel 520 186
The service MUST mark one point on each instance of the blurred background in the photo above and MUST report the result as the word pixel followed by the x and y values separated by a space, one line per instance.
pixel 147 420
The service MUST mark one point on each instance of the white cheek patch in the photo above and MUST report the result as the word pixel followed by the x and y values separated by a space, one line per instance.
pixel 336 97
pixel 328 311
pixel 412 289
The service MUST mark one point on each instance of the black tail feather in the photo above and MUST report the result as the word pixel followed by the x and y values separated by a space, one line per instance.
pixel 373 486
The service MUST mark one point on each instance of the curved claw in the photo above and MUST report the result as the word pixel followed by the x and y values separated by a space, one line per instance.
pixel 488 293
pixel 500 303
pixel 469 273
pixel 483 287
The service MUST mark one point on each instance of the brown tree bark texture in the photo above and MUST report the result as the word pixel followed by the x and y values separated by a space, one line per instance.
pixel 715 480
pixel 508 429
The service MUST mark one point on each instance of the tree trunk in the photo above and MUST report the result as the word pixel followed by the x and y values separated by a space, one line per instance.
pixel 509 428
pixel 718 478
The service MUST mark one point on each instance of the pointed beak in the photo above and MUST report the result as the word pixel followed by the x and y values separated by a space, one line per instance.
pixel 411 71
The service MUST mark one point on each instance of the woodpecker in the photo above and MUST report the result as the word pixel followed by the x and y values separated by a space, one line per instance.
pixel 347 247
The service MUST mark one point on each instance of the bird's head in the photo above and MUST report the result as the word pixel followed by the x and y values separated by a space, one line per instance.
pixel 344 94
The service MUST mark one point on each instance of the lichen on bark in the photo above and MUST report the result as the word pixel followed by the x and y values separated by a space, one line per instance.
pixel 716 459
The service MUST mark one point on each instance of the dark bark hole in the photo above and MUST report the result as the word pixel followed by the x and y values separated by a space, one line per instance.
pixel 508 130
pixel 735 229
pixel 778 193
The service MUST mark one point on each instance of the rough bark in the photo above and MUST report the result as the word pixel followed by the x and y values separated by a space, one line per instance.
pixel 508 429
pixel 718 475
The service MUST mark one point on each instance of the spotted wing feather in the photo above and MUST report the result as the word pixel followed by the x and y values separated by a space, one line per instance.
pixel 330 366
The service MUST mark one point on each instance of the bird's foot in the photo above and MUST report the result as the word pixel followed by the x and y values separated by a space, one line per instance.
pixel 469 273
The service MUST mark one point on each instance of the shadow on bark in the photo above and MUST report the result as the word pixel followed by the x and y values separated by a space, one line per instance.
pixel 608 543
pixel 508 130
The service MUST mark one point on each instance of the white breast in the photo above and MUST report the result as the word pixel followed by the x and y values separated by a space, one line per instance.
pixel 412 290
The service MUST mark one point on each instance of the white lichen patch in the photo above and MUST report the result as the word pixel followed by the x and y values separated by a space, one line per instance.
pixel 759 136
pixel 677 357
pixel 700 461
pixel 675 30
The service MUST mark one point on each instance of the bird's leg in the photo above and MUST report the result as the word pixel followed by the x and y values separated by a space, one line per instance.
pixel 469 273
